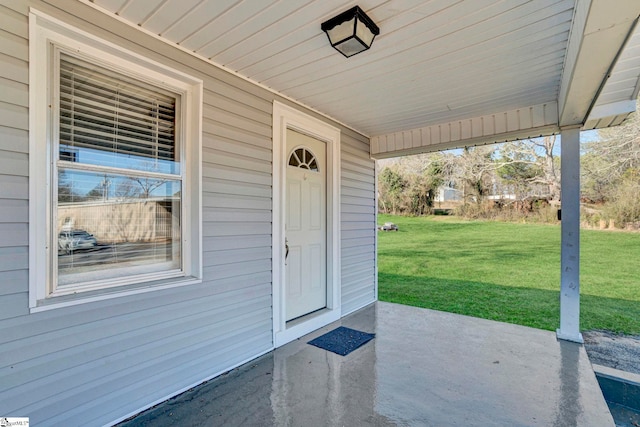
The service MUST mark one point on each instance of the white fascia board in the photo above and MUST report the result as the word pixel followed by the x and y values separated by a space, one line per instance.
pixel 598 35
pixel 612 109
pixel 522 123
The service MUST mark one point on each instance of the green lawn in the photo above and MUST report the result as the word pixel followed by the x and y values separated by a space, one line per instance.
pixel 508 272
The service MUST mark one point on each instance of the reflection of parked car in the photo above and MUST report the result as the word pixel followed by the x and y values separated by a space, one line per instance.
pixel 388 226
pixel 71 240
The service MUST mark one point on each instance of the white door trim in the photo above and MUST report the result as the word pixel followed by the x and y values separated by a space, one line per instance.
pixel 286 117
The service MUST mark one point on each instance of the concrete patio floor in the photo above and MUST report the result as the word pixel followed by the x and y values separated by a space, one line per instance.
pixel 424 368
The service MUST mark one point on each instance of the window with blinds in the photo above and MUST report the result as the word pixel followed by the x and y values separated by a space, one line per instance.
pixel 110 120
pixel 115 172
pixel 119 179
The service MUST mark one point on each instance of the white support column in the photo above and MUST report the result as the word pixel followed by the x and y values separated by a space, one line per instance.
pixel 570 252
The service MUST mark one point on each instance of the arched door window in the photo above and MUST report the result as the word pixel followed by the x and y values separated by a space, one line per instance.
pixel 304 159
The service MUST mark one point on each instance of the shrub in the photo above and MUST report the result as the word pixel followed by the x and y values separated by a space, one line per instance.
pixel 624 204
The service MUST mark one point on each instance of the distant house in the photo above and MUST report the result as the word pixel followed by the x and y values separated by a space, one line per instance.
pixel 448 194
pixel 117 221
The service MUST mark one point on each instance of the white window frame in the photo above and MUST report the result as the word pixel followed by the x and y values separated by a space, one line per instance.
pixel 46 35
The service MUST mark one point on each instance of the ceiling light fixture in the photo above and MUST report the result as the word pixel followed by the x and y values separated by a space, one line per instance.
pixel 351 32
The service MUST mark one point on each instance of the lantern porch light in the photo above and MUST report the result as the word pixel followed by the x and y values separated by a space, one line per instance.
pixel 351 32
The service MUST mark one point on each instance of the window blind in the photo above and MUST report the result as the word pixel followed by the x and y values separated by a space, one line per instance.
pixel 101 109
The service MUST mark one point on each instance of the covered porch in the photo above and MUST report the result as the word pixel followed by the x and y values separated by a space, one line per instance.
pixel 440 75
pixel 423 367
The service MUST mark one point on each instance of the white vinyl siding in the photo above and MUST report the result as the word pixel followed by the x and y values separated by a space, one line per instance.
pixel 94 363
pixel 358 222
pixel 14 164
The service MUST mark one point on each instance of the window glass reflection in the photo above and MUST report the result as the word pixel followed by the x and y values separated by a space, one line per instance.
pixel 112 226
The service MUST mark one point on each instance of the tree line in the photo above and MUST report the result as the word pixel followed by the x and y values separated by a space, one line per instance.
pixel 520 179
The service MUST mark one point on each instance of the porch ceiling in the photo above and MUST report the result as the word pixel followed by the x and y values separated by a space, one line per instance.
pixel 434 63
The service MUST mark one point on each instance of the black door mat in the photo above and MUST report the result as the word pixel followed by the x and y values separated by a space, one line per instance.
pixel 342 340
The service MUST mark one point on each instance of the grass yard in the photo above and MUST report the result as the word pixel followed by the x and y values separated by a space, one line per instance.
pixel 508 272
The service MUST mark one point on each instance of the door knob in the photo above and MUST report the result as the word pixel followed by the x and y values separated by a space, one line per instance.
pixel 286 247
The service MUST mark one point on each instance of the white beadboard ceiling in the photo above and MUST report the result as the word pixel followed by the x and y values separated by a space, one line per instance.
pixel 434 61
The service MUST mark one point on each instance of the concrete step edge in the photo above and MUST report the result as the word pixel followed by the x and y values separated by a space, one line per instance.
pixel 629 377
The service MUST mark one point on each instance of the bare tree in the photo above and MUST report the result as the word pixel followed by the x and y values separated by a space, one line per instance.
pixel 611 172
pixel 620 145
pixel 148 185
pixel 530 163
pixel 474 171
pixel 606 160
pixel 127 189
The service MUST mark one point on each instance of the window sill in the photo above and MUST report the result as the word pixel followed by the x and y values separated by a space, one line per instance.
pixel 106 294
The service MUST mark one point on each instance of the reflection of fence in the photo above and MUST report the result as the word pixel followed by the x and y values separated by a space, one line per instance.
pixel 150 220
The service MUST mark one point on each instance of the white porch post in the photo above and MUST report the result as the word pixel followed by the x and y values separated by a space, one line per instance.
pixel 570 252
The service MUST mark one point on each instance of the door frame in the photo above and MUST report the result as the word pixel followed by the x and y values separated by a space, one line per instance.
pixel 286 117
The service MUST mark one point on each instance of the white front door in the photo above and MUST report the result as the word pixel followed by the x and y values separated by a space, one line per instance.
pixel 305 225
